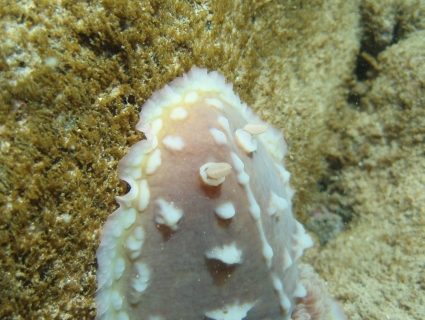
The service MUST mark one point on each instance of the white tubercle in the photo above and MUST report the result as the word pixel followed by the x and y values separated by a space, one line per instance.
pixel 229 98
pixel 284 302
pixel 237 162
pixel 228 254
pixel 168 215
pixel 153 146
pixel 122 315
pixel 230 312
pixel 213 173
pixel 219 136
pixel 225 210
pixel 254 208
pixel 277 204
pixel 175 143
pixel 137 172
pixel 214 102
pixel 157 125
pixel 267 249
pixel 134 242
pixel 285 175
pixel 224 123
pixel 139 282
pixel 144 195
pixel 301 241
pixel 136 158
pixel 154 161
pixel 287 260
pixel 119 268
pixel 300 291
pixel 116 300
pixel 129 218
pixel 245 141
pixel 191 97
pixel 178 113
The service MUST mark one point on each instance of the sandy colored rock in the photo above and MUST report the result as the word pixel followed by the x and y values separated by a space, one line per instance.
pixel 380 265
pixel 73 77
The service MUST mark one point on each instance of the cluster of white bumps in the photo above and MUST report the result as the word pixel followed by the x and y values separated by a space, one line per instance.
pixel 206 230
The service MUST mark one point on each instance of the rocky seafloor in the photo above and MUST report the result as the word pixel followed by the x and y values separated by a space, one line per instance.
pixel 344 80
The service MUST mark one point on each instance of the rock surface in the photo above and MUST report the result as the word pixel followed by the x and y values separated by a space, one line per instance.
pixel 344 79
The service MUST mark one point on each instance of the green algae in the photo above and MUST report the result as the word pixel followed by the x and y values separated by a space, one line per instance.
pixel 65 125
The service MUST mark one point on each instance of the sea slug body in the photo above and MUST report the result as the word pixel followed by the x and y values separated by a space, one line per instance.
pixel 206 231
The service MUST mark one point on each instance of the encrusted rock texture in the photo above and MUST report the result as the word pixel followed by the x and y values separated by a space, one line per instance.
pixel 344 80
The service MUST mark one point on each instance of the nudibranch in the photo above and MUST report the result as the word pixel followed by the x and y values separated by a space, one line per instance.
pixel 206 230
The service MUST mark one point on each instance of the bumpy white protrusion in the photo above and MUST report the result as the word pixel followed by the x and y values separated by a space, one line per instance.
pixel 254 208
pixel 103 299
pixel 116 300
pixel 178 113
pixel 134 242
pixel 174 143
pixel 284 302
pixel 287 260
pixel 118 229
pixel 135 159
pixel 284 175
pixel 122 315
pixel 219 136
pixel 119 268
pixel 154 161
pixel 105 278
pixel 139 282
pixel 137 172
pixel 230 97
pixel 168 215
pixel 289 192
pixel 231 312
pixel 225 210
pixel 267 254
pixel 277 204
pixel 273 141
pixel 157 125
pixel 243 177
pixel 228 254
pixel 305 240
pixel 237 162
pixel 129 218
pixel 191 97
pixel 144 195
pixel 267 249
pixel 300 291
pixel 224 123
pixel 213 173
pixel 300 241
pixel 245 141
pixel 216 103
